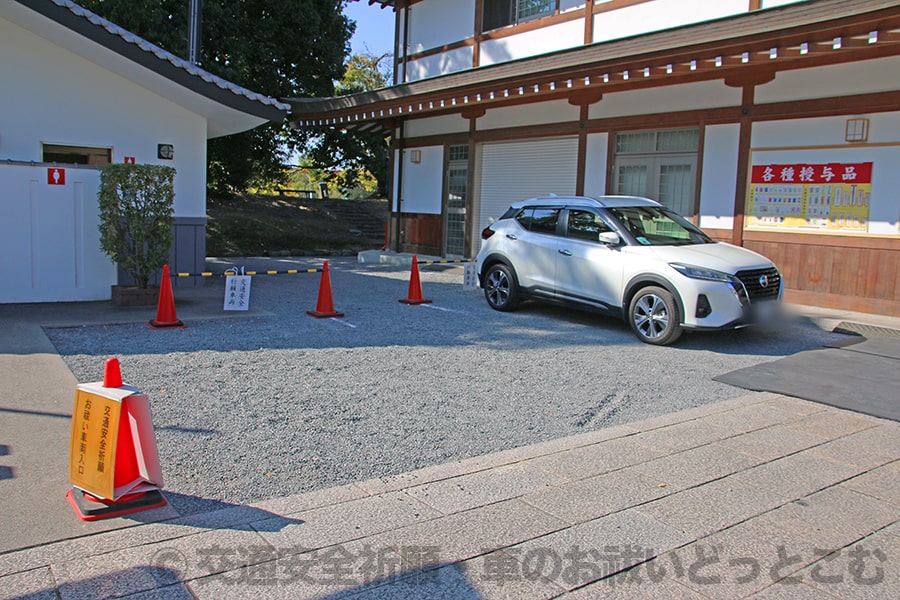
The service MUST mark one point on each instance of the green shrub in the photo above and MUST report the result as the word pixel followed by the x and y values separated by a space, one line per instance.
pixel 136 217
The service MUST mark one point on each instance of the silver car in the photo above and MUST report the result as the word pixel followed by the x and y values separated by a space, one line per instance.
pixel 624 256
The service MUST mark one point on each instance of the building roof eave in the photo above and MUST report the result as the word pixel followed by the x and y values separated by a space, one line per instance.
pixel 739 49
pixel 221 95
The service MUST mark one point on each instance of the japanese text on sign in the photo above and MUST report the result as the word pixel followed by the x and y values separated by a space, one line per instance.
pixel 95 426
pixel 830 197
pixel 237 292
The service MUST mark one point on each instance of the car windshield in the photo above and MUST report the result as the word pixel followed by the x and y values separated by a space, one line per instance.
pixel 657 226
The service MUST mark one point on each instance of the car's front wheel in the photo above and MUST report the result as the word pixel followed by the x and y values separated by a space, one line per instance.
pixel 653 316
pixel 500 288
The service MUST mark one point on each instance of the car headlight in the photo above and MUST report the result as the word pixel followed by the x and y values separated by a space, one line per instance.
pixel 701 273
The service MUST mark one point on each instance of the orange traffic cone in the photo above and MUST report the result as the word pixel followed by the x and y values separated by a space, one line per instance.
pixel 128 474
pixel 165 308
pixel 325 305
pixel 414 296
pixel 112 374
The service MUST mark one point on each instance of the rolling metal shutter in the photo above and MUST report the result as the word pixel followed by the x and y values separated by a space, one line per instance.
pixel 514 171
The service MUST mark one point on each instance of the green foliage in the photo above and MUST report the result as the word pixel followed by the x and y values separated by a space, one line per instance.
pixel 136 208
pixel 350 157
pixel 280 48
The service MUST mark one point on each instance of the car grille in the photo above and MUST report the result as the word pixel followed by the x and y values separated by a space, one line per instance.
pixel 753 286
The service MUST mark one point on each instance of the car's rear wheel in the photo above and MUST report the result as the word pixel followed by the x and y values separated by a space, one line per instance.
pixel 500 288
pixel 653 316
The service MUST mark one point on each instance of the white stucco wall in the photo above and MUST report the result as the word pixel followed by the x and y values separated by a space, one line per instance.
pixel 837 80
pixel 531 43
pixel 688 96
pixel 435 23
pixel 558 111
pixel 661 14
pixel 719 176
pixel 441 125
pixel 440 64
pixel 422 181
pixel 595 164
pixel 53 96
pixel 884 128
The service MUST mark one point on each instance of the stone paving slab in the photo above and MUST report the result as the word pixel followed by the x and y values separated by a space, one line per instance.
pixel 760 497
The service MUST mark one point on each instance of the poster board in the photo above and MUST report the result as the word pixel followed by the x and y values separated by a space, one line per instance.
pixel 237 292
pixel 112 447
pixel 826 197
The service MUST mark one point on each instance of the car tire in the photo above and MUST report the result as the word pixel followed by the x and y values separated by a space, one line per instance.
pixel 501 288
pixel 653 316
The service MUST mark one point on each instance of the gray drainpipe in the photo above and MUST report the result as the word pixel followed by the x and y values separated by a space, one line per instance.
pixel 400 152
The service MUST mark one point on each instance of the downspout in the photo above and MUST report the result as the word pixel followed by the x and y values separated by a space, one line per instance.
pixel 399 184
pixel 406 42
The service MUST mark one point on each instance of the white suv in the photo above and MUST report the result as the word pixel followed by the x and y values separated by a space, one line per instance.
pixel 624 256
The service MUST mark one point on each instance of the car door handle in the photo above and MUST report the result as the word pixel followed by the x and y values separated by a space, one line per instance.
pixel 512 236
pixel 565 252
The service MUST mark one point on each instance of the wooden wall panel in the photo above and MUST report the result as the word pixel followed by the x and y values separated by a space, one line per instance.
pixel 835 272
pixel 421 233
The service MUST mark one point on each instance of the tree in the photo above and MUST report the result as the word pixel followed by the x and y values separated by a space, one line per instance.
pixel 136 206
pixel 280 48
pixel 347 154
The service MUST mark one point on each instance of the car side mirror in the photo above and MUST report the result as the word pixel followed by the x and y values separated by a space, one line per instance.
pixel 610 238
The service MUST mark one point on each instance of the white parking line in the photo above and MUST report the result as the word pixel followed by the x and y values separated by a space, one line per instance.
pixel 439 308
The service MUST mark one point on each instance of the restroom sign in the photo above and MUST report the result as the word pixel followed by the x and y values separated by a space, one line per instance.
pixel 56 176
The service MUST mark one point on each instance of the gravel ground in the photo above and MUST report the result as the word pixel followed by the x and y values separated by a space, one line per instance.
pixel 274 402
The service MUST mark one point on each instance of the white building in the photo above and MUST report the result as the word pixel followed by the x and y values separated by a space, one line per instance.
pixel 773 124
pixel 77 91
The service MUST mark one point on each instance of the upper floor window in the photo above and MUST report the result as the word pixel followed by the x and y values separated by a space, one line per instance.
pixel 500 13
pixel 76 155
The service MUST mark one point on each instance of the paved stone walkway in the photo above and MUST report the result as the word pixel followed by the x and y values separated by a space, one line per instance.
pixel 762 496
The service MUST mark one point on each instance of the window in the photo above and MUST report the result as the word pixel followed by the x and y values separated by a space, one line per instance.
pixel 585 225
pixel 541 220
pixel 500 13
pixel 658 164
pixel 457 193
pixel 643 142
pixel 75 155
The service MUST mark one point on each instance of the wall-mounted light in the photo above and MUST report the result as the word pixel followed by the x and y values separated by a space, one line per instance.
pixel 415 156
pixel 857 130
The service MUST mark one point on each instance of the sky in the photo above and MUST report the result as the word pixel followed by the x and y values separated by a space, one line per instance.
pixel 374 28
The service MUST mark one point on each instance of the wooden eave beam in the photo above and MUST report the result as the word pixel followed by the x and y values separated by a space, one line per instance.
pixel 757 62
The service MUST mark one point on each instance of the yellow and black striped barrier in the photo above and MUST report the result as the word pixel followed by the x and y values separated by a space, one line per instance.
pixel 447 261
pixel 299 271
pixel 246 272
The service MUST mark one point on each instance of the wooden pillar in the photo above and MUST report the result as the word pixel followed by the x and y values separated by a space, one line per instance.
pixel 588 22
pixel 479 22
pixel 743 166
pixel 581 167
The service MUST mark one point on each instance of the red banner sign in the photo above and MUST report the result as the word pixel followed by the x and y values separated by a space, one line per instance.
pixel 813 173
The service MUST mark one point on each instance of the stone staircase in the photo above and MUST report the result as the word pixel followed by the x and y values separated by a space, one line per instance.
pixel 367 217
